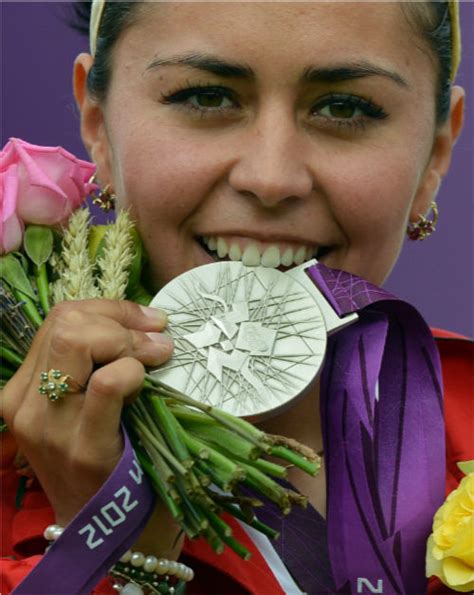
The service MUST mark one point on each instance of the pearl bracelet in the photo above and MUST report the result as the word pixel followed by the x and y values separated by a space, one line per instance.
pixel 137 574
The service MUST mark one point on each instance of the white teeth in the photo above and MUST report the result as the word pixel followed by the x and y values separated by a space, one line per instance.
pixel 221 248
pixel 300 254
pixel 287 257
pixel 235 253
pixel 271 257
pixel 251 256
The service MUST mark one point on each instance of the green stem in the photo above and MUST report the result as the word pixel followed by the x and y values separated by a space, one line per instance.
pixel 141 428
pixel 6 373
pixel 192 512
pixel 227 468
pixel 170 428
pixel 255 523
pixel 214 540
pixel 221 438
pixel 259 481
pixel 238 548
pixel 29 308
pixel 10 356
pixel 42 285
pixel 235 424
pixel 310 467
pixel 220 527
pixel 267 467
pixel 160 486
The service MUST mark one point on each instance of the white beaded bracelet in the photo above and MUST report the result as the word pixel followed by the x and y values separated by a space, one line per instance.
pixel 160 566
pixel 53 532
pixel 135 570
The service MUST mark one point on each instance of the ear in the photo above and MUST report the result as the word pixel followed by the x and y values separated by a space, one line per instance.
pixel 440 159
pixel 93 129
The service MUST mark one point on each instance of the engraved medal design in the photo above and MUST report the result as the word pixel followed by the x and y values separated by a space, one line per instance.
pixel 247 339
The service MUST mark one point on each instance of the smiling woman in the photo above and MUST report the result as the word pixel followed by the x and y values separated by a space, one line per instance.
pixel 282 132
pixel 206 108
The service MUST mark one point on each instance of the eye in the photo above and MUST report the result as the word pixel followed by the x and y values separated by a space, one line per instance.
pixel 209 99
pixel 203 98
pixel 345 109
pixel 341 110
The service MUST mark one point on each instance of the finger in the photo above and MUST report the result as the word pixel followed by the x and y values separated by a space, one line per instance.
pixel 108 389
pixel 128 314
pixel 80 342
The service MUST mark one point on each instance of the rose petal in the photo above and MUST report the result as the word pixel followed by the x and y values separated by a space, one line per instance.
pixel 11 234
pixel 458 575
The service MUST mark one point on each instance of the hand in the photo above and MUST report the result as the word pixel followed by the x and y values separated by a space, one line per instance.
pixel 74 444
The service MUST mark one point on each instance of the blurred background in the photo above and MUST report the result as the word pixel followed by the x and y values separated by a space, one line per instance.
pixel 437 275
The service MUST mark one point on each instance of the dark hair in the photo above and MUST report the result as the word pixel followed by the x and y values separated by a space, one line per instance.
pixel 117 16
pixel 430 19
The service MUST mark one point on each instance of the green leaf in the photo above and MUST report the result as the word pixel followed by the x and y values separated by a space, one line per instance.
pixel 96 241
pixel 38 243
pixel 466 467
pixel 137 262
pixel 13 273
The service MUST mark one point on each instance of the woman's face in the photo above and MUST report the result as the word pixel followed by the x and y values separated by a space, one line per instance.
pixel 274 131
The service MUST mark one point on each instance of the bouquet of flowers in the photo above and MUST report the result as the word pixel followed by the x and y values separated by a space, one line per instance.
pixel 196 456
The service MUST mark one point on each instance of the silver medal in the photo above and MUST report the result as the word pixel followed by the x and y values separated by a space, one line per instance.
pixel 248 340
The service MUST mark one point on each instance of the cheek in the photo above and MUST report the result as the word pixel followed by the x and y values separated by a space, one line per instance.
pixel 372 194
pixel 170 179
pixel 370 200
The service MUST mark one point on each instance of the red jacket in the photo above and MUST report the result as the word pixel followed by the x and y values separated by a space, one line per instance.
pixel 227 574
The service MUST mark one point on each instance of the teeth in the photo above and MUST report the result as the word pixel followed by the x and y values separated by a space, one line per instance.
pixel 221 248
pixel 287 258
pixel 300 254
pixel 251 256
pixel 235 253
pixel 272 256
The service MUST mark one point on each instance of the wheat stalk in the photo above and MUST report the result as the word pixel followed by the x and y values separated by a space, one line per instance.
pixel 116 258
pixel 76 279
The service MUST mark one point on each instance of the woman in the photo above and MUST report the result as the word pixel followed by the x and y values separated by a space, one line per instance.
pixel 317 129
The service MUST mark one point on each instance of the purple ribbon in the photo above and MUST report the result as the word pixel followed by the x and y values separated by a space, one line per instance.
pixel 99 534
pixel 383 430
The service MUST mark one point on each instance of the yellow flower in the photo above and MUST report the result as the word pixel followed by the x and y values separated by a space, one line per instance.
pixel 450 551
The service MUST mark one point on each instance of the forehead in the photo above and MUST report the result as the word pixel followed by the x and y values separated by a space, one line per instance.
pixel 287 34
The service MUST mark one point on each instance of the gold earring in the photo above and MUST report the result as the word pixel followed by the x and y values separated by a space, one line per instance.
pixel 103 198
pixel 423 227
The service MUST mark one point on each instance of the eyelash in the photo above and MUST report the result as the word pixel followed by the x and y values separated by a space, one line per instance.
pixel 371 111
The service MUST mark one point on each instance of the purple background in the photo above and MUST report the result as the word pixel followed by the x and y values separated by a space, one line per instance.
pixel 38 50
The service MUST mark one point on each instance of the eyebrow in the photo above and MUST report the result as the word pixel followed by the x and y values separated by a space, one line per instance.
pixel 354 70
pixel 207 63
pixel 312 74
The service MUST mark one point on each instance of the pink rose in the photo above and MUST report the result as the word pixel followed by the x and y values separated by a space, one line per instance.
pixel 11 226
pixel 41 185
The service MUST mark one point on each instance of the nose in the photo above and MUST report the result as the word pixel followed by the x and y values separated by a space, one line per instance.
pixel 272 161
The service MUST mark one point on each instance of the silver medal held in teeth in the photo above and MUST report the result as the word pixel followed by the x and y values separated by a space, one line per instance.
pixel 248 340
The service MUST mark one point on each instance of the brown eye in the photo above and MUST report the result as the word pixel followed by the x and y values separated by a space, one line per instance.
pixel 209 99
pixel 342 110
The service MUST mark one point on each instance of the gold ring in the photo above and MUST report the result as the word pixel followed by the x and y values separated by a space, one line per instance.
pixel 56 385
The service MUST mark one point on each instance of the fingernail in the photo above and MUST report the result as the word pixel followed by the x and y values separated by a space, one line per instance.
pixel 155 314
pixel 162 339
